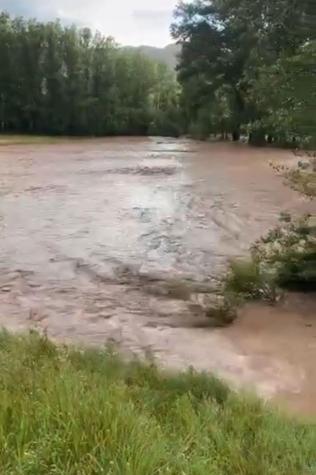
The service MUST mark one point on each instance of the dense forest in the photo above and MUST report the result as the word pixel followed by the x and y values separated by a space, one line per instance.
pixel 64 80
pixel 246 68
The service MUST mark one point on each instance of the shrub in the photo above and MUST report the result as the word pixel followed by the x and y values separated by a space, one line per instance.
pixel 298 272
pixel 283 259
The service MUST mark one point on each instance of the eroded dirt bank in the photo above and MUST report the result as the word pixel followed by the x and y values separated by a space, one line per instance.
pixel 91 232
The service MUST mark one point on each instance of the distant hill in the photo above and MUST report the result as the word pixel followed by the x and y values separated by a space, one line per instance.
pixel 167 55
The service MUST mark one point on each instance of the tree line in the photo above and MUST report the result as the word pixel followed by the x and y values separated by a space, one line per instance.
pixel 65 80
pixel 248 67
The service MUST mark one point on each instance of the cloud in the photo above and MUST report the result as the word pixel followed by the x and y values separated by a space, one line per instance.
pixel 152 18
pixel 152 26
pixel 33 8
pixel 131 22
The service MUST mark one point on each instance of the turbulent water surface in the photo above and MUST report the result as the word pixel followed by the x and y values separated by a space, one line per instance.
pixel 94 234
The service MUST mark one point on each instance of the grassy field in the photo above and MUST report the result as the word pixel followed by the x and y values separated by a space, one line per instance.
pixel 65 411
pixel 7 139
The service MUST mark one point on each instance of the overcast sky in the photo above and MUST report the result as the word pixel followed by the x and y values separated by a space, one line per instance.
pixel 131 22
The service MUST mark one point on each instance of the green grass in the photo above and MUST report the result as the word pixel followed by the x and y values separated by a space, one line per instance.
pixel 65 411
pixel 247 281
pixel 15 139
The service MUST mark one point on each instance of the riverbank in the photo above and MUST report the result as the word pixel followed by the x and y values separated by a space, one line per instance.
pixel 7 139
pixel 88 412
pixel 26 139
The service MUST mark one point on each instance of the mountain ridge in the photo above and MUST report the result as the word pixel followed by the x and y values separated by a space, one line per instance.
pixel 167 55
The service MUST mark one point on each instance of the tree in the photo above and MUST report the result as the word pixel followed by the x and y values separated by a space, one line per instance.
pixel 65 80
pixel 225 45
pixel 285 96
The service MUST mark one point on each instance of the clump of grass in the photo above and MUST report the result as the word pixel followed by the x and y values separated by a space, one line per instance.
pixel 15 139
pixel 64 411
pixel 248 281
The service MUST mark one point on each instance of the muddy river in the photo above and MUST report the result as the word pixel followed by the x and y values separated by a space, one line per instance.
pixel 93 232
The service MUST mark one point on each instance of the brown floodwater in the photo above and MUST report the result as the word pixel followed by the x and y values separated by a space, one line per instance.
pixel 94 233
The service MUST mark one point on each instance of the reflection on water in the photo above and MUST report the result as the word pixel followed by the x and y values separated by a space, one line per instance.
pixel 89 227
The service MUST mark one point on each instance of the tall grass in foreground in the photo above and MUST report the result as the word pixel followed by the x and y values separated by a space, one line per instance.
pixel 64 411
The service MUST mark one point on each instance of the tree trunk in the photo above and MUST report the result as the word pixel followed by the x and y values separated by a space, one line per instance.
pixel 2 112
pixel 236 135
pixel 239 115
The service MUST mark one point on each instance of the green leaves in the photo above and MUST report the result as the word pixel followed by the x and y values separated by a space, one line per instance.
pixel 68 81
pixel 257 57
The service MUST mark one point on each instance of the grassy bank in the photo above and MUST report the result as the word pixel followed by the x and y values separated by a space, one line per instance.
pixel 14 139
pixel 64 411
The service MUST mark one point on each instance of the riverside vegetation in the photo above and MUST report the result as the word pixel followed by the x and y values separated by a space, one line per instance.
pixel 247 68
pixel 285 259
pixel 58 80
pixel 63 410
pixel 244 68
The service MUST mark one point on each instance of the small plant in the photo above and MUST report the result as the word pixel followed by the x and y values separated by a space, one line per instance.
pixel 247 279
